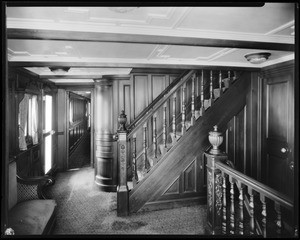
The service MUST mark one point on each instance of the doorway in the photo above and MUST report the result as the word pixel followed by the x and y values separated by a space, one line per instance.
pixel 79 134
pixel 278 130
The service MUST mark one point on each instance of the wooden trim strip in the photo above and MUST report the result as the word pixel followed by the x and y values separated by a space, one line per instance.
pixel 255 185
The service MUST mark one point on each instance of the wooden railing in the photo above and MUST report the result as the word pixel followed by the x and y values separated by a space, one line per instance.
pixel 164 121
pixel 222 183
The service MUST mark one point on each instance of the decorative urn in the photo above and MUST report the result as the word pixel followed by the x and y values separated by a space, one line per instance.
pixel 122 119
pixel 215 138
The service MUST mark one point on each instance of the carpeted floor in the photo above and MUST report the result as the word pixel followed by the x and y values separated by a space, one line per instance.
pixel 81 155
pixel 83 209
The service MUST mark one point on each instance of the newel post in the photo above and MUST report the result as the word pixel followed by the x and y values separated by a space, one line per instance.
pixel 214 183
pixel 122 189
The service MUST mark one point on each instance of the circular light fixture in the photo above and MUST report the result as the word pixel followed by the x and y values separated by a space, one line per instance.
pixel 257 58
pixel 122 9
pixel 59 70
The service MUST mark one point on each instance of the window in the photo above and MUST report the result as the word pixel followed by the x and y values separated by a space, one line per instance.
pixel 28 121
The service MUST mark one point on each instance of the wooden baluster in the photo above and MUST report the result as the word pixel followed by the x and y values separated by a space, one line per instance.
pixel 211 88
pixel 165 125
pixel 241 210
pixel 224 221
pixel 145 145
pixel 174 116
pixel 232 225
pixel 183 127
pixel 227 81
pixel 278 221
pixel 234 75
pixel 220 83
pixel 264 215
pixel 154 136
pixel 193 101
pixel 251 211
pixel 134 175
pixel 202 94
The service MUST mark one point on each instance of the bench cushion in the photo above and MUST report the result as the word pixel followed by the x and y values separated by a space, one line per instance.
pixel 32 217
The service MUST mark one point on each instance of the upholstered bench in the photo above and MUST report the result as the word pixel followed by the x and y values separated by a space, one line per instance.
pixel 29 212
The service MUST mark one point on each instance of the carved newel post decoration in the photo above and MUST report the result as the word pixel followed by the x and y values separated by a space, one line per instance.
pixel 122 189
pixel 214 183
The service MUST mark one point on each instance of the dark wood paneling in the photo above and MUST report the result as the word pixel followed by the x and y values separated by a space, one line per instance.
pixel 141 99
pixel 192 144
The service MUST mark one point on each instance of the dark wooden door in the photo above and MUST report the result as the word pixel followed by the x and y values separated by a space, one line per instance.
pixel 278 131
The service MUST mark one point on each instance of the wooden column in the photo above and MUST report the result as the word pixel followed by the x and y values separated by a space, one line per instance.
pixel 220 83
pixel 134 173
pixel 264 215
pixel 165 126
pixel 174 116
pixel 154 136
pixel 105 167
pixel 211 95
pixel 183 111
pixel 224 218
pixel 251 211
pixel 202 109
pixel 145 145
pixel 214 184
pixel 122 190
pixel 193 101
pixel 278 220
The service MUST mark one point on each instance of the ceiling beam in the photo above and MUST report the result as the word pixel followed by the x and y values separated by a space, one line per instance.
pixel 184 40
pixel 81 76
pixel 126 65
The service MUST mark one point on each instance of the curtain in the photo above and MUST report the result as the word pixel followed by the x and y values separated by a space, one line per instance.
pixel 23 113
pixel 71 111
pixel 34 119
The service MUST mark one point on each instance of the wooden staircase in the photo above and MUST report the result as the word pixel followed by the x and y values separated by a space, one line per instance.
pixel 156 166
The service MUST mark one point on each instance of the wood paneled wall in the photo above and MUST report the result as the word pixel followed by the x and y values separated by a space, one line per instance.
pixel 79 125
pixel 242 138
pixel 29 162
pixel 135 93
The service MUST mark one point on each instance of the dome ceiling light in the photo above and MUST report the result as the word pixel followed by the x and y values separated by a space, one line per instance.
pixel 122 9
pixel 257 58
pixel 59 70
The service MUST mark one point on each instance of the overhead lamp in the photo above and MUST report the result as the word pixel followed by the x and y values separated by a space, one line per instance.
pixel 59 70
pixel 122 9
pixel 257 58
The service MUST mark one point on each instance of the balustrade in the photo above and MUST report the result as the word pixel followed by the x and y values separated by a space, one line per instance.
pixel 148 134
pixel 217 224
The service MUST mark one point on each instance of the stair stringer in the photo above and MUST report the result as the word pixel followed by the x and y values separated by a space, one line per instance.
pixel 190 145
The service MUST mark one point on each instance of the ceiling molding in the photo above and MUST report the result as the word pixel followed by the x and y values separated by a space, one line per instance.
pixel 278 60
pixel 280 28
pixel 81 76
pixel 156 36
pixel 139 64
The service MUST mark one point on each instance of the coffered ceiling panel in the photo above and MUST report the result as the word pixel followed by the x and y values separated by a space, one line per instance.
pixel 47 48
pixel 95 41
pixel 260 20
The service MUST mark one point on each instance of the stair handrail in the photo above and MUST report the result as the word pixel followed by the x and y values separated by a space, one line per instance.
pixel 259 187
pixel 158 102
pixel 217 173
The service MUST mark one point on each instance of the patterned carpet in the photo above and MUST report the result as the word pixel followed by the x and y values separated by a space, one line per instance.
pixel 83 209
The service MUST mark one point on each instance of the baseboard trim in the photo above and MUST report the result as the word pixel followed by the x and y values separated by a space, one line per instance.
pixel 174 203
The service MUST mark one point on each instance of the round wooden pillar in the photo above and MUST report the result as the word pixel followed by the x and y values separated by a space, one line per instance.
pixel 105 174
